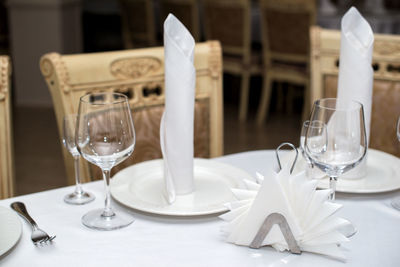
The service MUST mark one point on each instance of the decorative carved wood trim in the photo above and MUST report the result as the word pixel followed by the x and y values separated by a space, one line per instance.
pixel 215 59
pixel 315 42
pixel 131 68
pixel 386 48
pixel 46 66
pixel 4 74
pixel 52 62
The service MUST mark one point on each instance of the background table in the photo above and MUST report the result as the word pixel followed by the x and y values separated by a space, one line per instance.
pixel 162 241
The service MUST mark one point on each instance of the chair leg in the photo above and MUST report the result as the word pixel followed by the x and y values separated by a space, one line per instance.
pixel 280 96
pixel 289 99
pixel 244 96
pixel 263 107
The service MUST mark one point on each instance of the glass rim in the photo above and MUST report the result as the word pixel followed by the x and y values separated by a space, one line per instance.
pixel 123 99
pixel 312 123
pixel 358 103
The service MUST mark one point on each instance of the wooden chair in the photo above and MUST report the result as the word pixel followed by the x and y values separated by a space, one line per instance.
pixel 140 75
pixel 325 51
pixel 285 36
pixel 138 28
pixel 7 182
pixel 229 21
pixel 187 11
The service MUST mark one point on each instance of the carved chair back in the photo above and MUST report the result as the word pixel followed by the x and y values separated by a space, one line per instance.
pixel 325 51
pixel 187 11
pixel 138 29
pixel 139 74
pixel 7 182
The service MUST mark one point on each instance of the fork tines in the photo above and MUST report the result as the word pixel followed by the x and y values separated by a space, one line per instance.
pixel 44 241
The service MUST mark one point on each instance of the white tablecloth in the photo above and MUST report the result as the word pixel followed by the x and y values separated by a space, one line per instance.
pixel 162 241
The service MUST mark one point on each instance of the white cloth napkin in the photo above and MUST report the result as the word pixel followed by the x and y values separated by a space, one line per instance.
pixel 311 217
pixel 356 75
pixel 176 129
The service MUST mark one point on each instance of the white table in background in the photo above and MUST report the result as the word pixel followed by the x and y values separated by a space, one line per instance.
pixel 162 241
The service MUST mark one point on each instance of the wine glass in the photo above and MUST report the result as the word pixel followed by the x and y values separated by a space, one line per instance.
pixel 396 201
pixel 105 136
pixel 319 130
pixel 342 143
pixel 79 196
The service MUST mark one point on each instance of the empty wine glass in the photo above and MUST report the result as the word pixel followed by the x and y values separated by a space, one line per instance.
pixel 396 201
pixel 342 144
pixel 319 133
pixel 105 137
pixel 79 196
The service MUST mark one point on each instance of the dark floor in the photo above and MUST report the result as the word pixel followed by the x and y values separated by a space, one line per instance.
pixel 38 158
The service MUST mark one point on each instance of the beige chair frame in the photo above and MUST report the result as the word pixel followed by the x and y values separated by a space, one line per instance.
pixel 7 181
pixel 325 51
pixel 71 76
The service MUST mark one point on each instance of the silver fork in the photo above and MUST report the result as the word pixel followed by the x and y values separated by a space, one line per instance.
pixel 38 235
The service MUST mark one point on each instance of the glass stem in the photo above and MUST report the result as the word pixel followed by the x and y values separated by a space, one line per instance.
pixel 332 186
pixel 107 212
pixel 78 186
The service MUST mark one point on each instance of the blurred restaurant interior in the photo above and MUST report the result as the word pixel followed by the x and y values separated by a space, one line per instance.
pixel 266 63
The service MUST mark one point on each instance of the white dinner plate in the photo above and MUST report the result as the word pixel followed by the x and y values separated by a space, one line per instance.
pixel 383 174
pixel 141 187
pixel 10 230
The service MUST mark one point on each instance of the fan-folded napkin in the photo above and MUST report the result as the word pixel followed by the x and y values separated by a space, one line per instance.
pixel 355 70
pixel 176 129
pixel 311 218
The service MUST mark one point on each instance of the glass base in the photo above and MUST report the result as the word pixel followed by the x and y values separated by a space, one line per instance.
pixel 79 199
pixel 94 219
pixel 396 203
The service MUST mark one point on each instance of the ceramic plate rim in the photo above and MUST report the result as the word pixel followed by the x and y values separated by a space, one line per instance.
pixel 371 153
pixel 15 234
pixel 239 178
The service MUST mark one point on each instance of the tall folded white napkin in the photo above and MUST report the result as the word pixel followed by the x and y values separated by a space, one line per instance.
pixel 356 75
pixel 176 129
pixel 311 217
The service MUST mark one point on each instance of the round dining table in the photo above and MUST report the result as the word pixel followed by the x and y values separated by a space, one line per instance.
pixel 155 240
